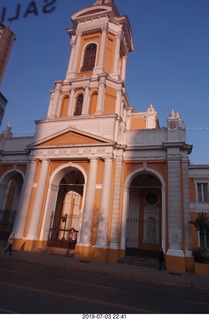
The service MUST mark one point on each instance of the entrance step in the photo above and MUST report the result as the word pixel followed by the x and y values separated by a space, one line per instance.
pixel 61 251
pixel 56 251
pixel 141 261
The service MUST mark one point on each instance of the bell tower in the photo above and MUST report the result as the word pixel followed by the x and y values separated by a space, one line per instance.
pixel 94 86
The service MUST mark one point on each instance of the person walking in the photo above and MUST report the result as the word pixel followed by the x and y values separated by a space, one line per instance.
pixel 9 244
pixel 161 259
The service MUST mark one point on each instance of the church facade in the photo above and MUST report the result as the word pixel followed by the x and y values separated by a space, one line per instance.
pixel 97 167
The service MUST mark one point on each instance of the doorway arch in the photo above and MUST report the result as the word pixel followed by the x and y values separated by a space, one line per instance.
pixel 64 205
pixel 144 218
pixel 11 184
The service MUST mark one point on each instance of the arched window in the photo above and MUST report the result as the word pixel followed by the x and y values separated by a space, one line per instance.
pixel 89 57
pixel 79 104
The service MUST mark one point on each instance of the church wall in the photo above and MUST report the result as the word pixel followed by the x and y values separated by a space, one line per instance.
pixel 109 53
pixel 64 106
pixel 93 103
pixel 110 101
pixel 191 190
pixel 137 123
pixel 105 125
pixel 4 168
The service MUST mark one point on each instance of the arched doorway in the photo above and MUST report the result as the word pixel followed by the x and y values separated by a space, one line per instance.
pixel 10 192
pixel 144 217
pixel 67 208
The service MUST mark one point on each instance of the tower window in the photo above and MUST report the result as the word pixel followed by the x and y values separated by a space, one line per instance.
pixel 79 104
pixel 89 57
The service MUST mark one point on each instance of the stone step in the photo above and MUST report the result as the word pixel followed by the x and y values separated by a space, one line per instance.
pixel 56 251
pixel 139 261
pixel 61 251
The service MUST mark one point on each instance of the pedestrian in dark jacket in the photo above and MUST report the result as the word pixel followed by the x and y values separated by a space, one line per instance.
pixel 161 259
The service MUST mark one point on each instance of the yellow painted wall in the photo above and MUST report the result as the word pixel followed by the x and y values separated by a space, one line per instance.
pixel 110 101
pixel 64 106
pixel 109 53
pixel 93 103
pixel 137 123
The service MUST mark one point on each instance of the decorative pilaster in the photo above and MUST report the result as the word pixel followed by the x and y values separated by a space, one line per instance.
pixel 118 102
pixel 101 94
pixel 85 101
pixel 71 103
pixel 85 237
pixel 36 212
pixel 24 200
pixel 105 206
pixel 70 72
pixel 174 205
pixel 114 240
pixel 54 102
pixel 186 208
pixel 115 73
pixel 75 54
pixel 100 68
pixel 123 72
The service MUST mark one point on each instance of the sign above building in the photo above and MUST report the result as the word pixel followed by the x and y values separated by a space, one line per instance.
pixel 33 8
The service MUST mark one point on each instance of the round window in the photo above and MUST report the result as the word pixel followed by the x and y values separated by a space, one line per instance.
pixel 151 198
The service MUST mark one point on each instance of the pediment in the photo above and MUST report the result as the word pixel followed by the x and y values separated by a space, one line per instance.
pixel 70 137
pixel 92 11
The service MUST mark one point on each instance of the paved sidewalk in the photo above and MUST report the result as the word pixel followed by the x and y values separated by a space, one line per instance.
pixel 188 280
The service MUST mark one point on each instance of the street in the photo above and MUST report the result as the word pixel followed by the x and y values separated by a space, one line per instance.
pixel 27 288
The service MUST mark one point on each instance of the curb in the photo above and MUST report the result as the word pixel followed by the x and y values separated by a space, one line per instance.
pixel 114 274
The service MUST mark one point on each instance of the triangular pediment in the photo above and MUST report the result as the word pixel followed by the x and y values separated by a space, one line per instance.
pixel 70 137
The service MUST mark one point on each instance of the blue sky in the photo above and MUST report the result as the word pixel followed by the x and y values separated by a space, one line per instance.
pixel 168 68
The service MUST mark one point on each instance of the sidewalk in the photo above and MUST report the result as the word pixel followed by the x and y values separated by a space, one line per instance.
pixel 188 280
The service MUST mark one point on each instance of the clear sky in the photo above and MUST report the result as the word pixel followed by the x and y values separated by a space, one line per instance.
pixel 168 68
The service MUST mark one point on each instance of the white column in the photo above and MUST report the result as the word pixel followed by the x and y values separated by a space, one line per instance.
pixel 118 102
pixel 124 218
pixel 115 73
pixel 70 74
pixel 114 240
pixel 24 200
pixel 174 205
pixel 186 204
pixel 76 54
pixel 105 206
pixel 51 113
pixel 71 103
pixel 85 101
pixel 85 236
pixel 100 65
pixel 163 217
pixel 101 93
pixel 123 73
pixel 36 212
pixel 55 102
